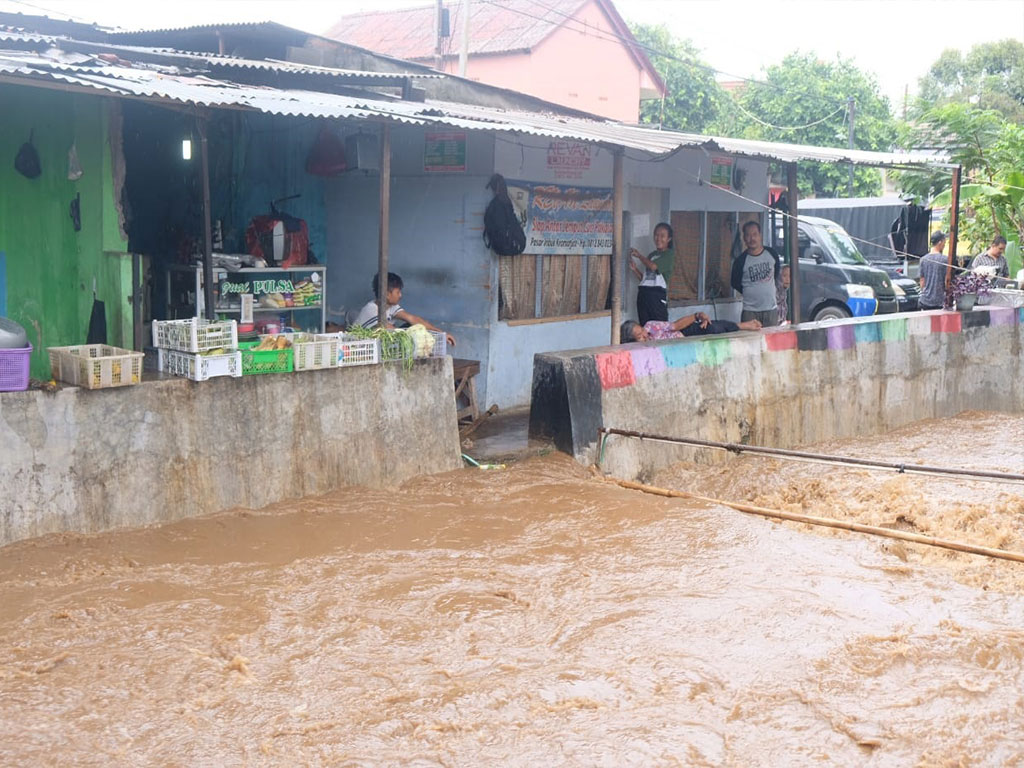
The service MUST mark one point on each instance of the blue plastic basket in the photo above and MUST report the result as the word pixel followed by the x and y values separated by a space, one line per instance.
pixel 14 364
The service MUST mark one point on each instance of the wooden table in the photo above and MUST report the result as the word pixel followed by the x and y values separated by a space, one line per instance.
pixel 465 372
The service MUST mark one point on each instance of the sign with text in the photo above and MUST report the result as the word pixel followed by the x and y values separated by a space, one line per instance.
pixel 569 159
pixel 721 172
pixel 444 152
pixel 559 218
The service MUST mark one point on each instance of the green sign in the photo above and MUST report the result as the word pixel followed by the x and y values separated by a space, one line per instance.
pixel 445 152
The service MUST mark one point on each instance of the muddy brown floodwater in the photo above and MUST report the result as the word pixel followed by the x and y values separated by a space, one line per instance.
pixel 538 617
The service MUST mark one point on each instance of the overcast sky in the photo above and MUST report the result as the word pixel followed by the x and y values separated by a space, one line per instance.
pixel 897 40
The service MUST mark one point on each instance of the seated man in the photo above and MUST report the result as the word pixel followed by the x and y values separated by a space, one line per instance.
pixel 697 324
pixel 367 316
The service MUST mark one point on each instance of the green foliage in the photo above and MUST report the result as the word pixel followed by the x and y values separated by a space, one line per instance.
pixel 990 76
pixel 800 91
pixel 693 99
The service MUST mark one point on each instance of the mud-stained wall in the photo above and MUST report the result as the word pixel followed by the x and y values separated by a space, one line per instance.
pixel 781 387
pixel 86 461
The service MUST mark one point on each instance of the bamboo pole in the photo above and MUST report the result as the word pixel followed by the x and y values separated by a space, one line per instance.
pixel 793 241
pixel 211 310
pixel 617 255
pixel 889 533
pixel 385 216
pixel 954 225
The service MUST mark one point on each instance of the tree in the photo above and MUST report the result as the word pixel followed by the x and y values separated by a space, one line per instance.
pixel 989 149
pixel 693 98
pixel 802 100
pixel 989 76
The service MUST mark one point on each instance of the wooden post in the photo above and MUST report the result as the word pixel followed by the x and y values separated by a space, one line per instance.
pixel 464 48
pixel 954 224
pixel 792 240
pixel 211 314
pixel 617 255
pixel 385 215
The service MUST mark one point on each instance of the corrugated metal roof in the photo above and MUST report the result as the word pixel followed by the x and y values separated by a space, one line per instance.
pixel 14 36
pixel 515 25
pixel 209 60
pixel 208 92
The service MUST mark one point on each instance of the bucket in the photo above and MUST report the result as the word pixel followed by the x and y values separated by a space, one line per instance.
pixel 14 364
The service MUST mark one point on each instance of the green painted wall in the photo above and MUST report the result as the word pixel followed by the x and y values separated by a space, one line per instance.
pixel 50 267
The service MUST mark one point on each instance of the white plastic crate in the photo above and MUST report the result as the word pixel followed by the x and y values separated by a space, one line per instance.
pixel 440 344
pixel 353 351
pixel 198 367
pixel 96 366
pixel 315 352
pixel 195 334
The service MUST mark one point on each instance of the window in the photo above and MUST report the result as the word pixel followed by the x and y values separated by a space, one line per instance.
pixel 705 243
pixel 569 285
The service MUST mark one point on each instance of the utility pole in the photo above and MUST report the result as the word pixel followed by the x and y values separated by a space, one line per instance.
pixel 851 109
pixel 464 50
pixel 439 45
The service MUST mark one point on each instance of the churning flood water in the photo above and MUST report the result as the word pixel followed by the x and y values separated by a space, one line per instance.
pixel 539 616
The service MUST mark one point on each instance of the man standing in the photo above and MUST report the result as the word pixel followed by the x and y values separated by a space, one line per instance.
pixel 994 257
pixel 755 274
pixel 934 269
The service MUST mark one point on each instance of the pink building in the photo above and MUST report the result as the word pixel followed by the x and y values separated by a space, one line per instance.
pixel 579 53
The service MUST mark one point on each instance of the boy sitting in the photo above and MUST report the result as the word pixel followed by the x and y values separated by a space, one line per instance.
pixel 367 316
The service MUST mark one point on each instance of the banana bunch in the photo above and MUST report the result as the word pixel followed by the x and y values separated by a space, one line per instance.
pixel 270 343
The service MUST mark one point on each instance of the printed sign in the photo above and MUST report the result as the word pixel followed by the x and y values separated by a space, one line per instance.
pixel 569 159
pixel 558 218
pixel 721 172
pixel 445 152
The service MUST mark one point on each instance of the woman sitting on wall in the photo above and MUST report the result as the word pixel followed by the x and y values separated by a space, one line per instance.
pixel 652 294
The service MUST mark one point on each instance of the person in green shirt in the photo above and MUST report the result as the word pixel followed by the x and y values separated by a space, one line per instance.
pixel 652 293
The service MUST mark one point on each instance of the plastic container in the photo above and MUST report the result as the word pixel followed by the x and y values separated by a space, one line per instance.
pixel 12 335
pixel 265 361
pixel 14 364
pixel 96 366
pixel 198 367
pixel 313 352
pixel 195 334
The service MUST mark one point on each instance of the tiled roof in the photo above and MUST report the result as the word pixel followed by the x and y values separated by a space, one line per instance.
pixel 514 25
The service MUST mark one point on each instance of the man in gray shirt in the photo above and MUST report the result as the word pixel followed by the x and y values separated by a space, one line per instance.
pixel 755 274
pixel 994 257
pixel 934 268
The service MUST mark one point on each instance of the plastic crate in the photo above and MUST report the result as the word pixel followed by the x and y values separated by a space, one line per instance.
pixel 195 334
pixel 198 367
pixel 355 351
pixel 14 365
pixel 265 361
pixel 440 348
pixel 96 366
pixel 392 350
pixel 313 352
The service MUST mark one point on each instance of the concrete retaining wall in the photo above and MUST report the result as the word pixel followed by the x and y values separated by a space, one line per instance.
pixel 82 460
pixel 781 387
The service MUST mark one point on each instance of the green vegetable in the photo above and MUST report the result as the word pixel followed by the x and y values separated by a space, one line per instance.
pixel 395 344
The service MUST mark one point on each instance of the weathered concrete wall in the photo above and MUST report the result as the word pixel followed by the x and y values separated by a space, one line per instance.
pixel 85 461
pixel 779 388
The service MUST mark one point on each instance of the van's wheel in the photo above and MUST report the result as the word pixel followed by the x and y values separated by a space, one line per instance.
pixel 832 312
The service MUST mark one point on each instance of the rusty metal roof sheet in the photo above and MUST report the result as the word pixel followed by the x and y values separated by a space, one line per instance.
pixel 164 84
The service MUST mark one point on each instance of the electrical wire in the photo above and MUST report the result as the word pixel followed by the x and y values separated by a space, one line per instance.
pixel 756 119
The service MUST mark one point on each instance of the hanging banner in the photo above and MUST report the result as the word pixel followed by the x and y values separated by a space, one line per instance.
pixel 444 152
pixel 721 172
pixel 563 219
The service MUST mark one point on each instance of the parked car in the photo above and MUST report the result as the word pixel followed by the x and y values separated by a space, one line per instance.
pixel 835 280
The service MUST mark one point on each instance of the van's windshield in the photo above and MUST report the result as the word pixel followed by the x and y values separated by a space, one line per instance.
pixel 842 247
